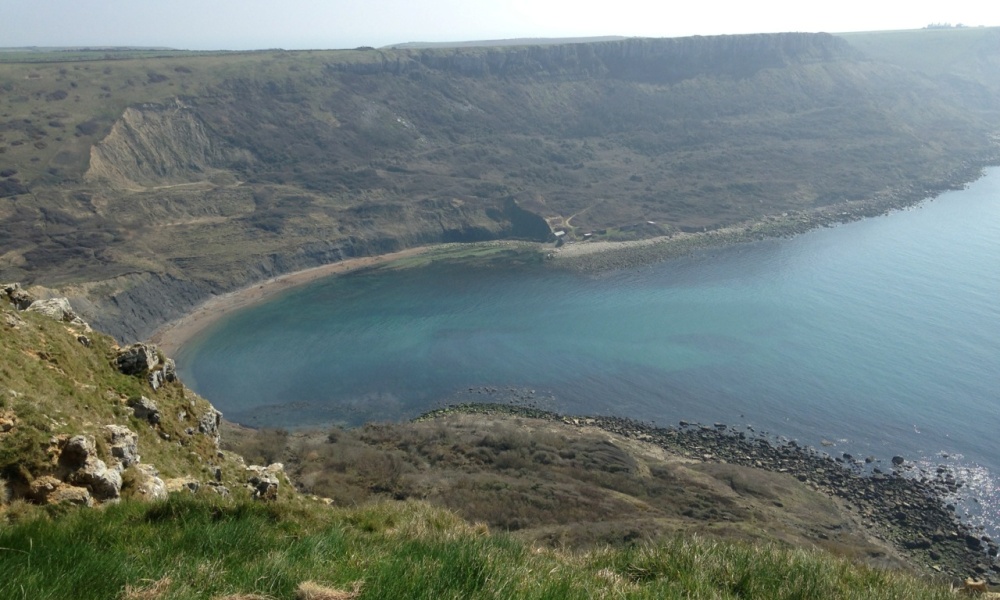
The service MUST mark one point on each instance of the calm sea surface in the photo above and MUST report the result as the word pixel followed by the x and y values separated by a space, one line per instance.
pixel 881 336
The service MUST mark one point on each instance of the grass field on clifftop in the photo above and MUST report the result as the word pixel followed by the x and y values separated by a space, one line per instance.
pixel 189 547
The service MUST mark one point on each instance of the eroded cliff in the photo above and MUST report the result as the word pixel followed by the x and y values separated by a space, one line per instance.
pixel 159 182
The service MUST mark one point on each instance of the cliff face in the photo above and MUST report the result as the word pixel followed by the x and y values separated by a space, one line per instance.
pixel 163 181
pixel 661 61
pixel 153 145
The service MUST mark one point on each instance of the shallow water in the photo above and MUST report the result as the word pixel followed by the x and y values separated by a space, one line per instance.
pixel 881 336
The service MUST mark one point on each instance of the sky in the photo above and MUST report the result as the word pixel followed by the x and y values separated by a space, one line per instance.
pixel 319 24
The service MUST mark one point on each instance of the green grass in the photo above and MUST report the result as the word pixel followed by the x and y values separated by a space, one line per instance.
pixel 54 385
pixel 200 548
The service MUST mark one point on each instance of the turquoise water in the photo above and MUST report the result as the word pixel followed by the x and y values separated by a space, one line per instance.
pixel 881 336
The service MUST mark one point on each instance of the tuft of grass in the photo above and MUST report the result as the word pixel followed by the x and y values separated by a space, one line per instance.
pixel 310 590
pixel 152 591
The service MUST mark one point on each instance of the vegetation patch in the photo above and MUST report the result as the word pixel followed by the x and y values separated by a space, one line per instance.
pixel 196 548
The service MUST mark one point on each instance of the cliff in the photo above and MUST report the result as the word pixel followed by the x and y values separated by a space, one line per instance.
pixel 140 187
pixel 657 61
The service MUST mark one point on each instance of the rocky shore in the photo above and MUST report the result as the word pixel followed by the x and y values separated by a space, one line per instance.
pixel 904 506
pixel 597 256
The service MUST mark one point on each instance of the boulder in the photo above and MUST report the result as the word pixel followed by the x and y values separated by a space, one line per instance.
pixel 218 488
pixel 182 484
pixel 138 359
pixel 144 408
pixel 55 308
pixel 263 481
pixel 49 490
pixel 75 452
pixel 8 421
pixel 156 379
pixel 170 370
pixel 13 321
pixel 79 458
pixel 18 297
pixel 148 485
pixel 209 423
pixel 104 483
pixel 124 445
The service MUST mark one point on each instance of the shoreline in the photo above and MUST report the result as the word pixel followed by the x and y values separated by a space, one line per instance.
pixel 593 256
pixel 170 336
pixel 903 506
pixel 596 256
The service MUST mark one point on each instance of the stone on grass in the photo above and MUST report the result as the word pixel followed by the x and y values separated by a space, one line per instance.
pixel 124 445
pixel 148 484
pixel 138 359
pixel 145 409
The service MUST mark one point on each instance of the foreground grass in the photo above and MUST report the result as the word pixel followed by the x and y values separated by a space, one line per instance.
pixel 191 547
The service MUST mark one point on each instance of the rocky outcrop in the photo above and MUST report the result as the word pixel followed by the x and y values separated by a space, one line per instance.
pixel 137 359
pixel 78 458
pixel 58 309
pixel 147 484
pixel 146 360
pixel 124 445
pixel 80 476
pixel 209 423
pixel 92 455
pixel 263 482
pixel 145 409
pixel 20 298
pixel 50 490
pixel 154 145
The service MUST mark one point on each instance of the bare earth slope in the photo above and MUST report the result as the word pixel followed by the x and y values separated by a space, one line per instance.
pixel 141 187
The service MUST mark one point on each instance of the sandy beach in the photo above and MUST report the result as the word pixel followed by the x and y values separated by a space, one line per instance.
pixel 593 255
pixel 171 336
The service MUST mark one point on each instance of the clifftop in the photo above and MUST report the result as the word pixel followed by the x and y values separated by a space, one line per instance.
pixel 648 60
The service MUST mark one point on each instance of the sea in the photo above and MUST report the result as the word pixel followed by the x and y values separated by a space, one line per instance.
pixel 877 338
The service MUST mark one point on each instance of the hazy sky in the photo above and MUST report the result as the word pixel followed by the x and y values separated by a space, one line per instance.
pixel 248 24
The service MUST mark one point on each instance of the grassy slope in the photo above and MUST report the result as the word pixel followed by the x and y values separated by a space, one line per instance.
pixel 52 385
pixel 562 486
pixel 191 548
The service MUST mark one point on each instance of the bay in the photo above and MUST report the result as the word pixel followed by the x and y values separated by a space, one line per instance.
pixel 878 337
